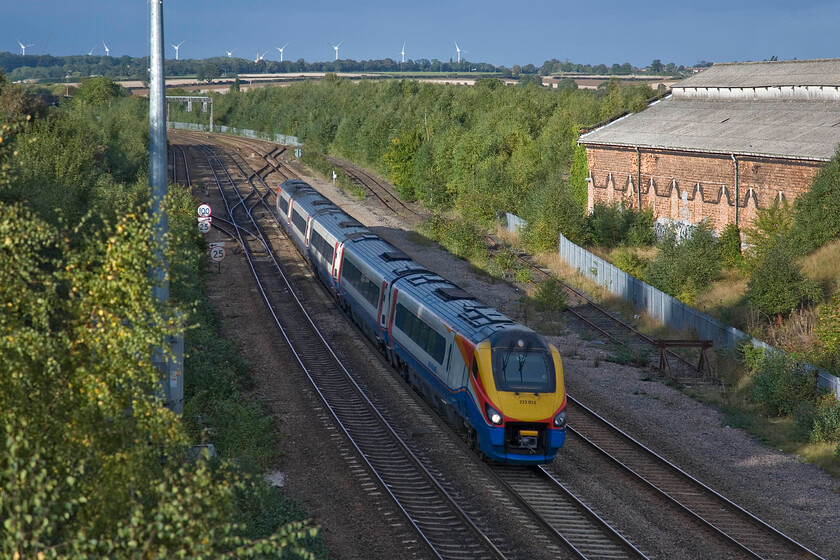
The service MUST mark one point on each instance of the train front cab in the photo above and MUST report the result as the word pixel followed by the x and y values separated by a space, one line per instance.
pixel 520 380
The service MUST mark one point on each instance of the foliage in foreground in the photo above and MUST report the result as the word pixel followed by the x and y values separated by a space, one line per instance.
pixel 92 465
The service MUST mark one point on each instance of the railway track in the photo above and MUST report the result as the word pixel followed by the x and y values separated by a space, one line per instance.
pixel 178 157
pixel 746 533
pixel 597 541
pixel 590 537
pixel 613 328
pixel 381 191
pixel 440 523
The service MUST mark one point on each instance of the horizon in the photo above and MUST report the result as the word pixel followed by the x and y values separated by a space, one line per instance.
pixel 601 32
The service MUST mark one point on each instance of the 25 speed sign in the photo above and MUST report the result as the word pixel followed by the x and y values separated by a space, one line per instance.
pixel 217 254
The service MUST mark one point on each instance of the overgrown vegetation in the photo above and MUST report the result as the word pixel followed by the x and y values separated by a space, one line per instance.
pixel 482 149
pixel 92 464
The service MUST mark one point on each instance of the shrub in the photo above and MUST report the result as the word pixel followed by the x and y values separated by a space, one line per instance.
pixel 458 236
pixel 686 267
pixel 828 334
pixel 768 229
pixel 550 296
pixel 610 225
pixel 604 225
pixel 778 286
pixel 729 245
pixel 551 209
pixel 820 421
pixel 640 233
pixel 630 262
pixel 778 381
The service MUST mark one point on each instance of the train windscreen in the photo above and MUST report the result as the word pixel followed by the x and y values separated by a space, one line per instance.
pixel 522 362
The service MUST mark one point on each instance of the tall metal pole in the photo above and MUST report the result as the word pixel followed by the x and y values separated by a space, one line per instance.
pixel 157 151
pixel 172 368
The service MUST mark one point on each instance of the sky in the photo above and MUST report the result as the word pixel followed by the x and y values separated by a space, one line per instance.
pixel 499 32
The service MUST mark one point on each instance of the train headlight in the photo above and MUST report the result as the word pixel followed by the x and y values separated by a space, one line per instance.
pixel 494 416
pixel 560 419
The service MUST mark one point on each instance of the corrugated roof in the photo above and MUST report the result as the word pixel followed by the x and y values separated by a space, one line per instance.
pixel 778 128
pixel 768 74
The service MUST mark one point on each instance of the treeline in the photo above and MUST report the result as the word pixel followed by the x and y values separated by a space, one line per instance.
pixel 60 68
pixel 91 463
pixel 483 150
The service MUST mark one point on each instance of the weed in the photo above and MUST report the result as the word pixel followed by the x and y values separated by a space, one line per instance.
pixel 550 296
pixel 625 355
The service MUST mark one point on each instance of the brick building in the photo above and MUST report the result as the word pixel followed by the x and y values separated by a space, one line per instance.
pixel 727 141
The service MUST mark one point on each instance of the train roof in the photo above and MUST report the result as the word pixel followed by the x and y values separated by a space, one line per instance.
pixel 306 196
pixel 382 257
pixel 339 223
pixel 458 308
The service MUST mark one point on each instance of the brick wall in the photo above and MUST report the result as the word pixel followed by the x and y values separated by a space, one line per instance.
pixel 694 186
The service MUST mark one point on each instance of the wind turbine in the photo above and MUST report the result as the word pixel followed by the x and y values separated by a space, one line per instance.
pixel 259 56
pixel 336 48
pixel 90 52
pixel 107 50
pixel 23 47
pixel 459 51
pixel 402 52
pixel 281 51
pixel 176 47
pixel 230 53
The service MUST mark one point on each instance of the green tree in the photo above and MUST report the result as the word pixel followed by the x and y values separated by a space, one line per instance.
pixel 578 174
pixel 99 91
pixel 770 228
pixel 208 72
pixel 729 244
pixel 400 160
pixel 816 219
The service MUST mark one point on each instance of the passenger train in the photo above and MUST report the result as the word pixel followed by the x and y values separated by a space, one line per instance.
pixel 499 383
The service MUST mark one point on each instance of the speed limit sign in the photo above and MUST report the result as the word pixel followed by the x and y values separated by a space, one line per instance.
pixel 204 210
pixel 217 254
pixel 204 226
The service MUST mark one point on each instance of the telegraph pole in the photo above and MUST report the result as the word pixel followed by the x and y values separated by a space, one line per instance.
pixel 171 369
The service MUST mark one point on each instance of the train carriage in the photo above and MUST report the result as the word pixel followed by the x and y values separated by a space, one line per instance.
pixel 369 265
pixel 494 378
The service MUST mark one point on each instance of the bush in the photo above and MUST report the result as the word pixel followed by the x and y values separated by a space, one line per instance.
pixel 778 286
pixel 815 217
pixel 630 262
pixel 769 228
pixel 458 236
pixel 610 225
pixel 551 209
pixel 550 296
pixel 778 381
pixel 729 245
pixel 828 334
pixel 686 267
pixel 820 421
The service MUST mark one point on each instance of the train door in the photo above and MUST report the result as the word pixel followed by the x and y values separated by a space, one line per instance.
pixel 386 315
pixel 337 260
